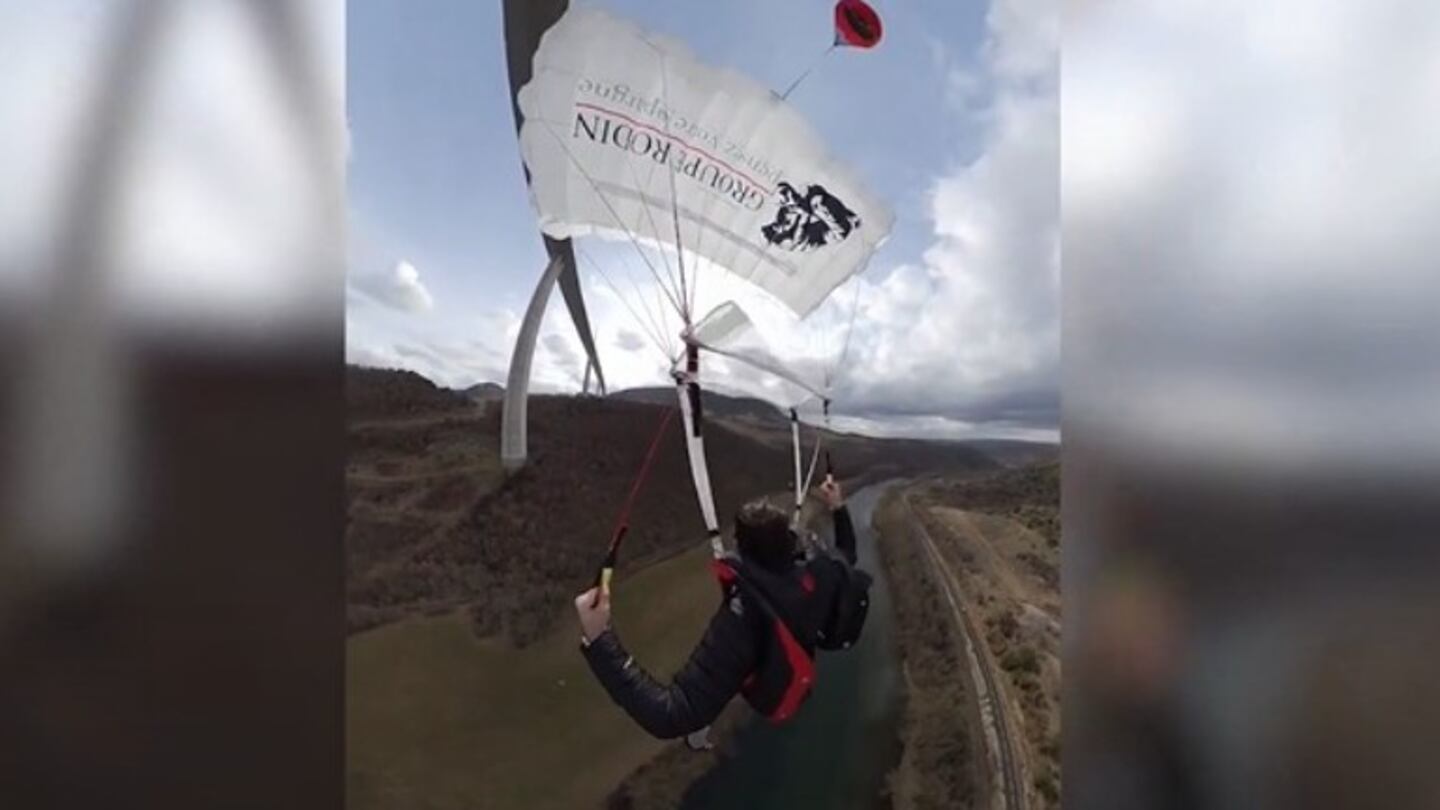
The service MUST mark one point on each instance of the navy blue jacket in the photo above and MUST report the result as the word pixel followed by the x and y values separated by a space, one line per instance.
pixel 734 647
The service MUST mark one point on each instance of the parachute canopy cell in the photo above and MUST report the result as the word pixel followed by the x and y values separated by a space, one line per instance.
pixel 628 136
pixel 857 24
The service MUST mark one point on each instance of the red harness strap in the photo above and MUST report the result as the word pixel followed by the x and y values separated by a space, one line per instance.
pixel 802 665
pixel 802 674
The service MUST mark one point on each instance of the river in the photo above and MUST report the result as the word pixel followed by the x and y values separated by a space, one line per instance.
pixel 836 751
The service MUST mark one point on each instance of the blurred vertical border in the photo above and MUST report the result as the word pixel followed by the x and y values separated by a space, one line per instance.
pixel 1251 404
pixel 171 437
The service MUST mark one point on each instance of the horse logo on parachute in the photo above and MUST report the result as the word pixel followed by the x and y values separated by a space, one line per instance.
pixel 805 222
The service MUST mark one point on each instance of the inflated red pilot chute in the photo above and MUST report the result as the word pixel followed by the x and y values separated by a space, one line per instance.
pixel 857 24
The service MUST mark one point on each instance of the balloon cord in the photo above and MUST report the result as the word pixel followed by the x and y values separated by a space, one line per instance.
pixel 806 74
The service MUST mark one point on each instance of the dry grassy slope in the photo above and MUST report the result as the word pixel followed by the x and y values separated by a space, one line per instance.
pixel 1028 495
pixel 437 718
pixel 1002 533
pixel 434 524
pixel 372 393
pixel 435 528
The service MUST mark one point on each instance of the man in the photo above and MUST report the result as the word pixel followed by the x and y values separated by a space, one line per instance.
pixel 780 602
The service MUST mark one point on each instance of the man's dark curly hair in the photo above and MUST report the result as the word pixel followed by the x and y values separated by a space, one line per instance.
pixel 762 534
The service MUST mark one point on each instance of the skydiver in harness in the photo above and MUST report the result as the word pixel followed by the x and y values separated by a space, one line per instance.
pixel 782 599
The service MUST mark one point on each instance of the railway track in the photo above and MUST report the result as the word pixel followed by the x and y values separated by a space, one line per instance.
pixel 991 702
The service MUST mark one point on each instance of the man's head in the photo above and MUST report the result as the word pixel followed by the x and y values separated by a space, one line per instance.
pixel 762 534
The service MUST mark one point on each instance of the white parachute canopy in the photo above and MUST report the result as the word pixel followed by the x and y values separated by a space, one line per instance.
pixel 627 135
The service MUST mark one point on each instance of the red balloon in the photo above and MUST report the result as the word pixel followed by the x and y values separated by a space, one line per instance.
pixel 856 24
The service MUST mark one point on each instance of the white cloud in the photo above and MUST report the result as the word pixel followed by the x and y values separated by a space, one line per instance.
pixel 1252 238
pixel 224 212
pixel 964 341
pixel 562 355
pixel 939 427
pixel 628 341
pixel 371 356
pixel 400 288
pixel 973 331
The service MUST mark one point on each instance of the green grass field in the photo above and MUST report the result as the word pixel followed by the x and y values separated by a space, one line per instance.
pixel 439 719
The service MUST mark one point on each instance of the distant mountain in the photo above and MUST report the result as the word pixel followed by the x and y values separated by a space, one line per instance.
pixel 1016 453
pixel 716 404
pixel 485 392
pixel 434 524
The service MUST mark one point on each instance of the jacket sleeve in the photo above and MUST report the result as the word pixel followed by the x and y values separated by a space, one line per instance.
pixel 696 694
pixel 844 534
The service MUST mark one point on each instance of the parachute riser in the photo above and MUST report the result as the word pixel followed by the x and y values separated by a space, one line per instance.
pixel 795 446
pixel 803 484
pixel 829 462
pixel 687 390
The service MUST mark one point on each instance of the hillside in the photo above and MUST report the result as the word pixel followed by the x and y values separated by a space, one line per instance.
pixel 716 404
pixel 1028 495
pixel 485 392
pixel 434 524
pixel 1015 453
pixel 433 713
pixel 1000 534
pixel 459 582
pixel 372 393
pixel 865 459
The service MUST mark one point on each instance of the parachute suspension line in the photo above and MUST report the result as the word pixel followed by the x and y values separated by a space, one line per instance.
pixel 844 349
pixel 622 521
pixel 768 367
pixel 611 209
pixel 799 479
pixel 803 484
pixel 650 215
pixel 829 463
pixel 814 460
pixel 654 331
pixel 687 388
pixel 646 323
pixel 652 334
pixel 669 333
pixel 689 301
pixel 806 74
pixel 657 315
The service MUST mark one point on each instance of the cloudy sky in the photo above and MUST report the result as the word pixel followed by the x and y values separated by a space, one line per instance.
pixel 953 121
pixel 1250 240
pixel 225 147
